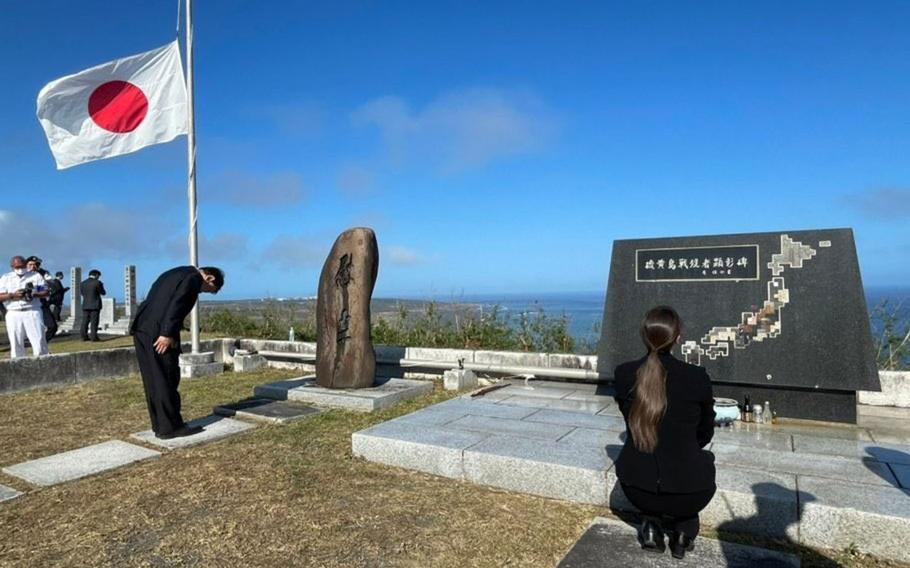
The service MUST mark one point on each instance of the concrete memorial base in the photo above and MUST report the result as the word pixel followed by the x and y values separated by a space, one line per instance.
pixel 8 493
pixel 383 393
pixel 818 484
pixel 246 361
pixel 215 428
pixel 458 379
pixel 194 365
pixel 75 464
pixel 267 410
pixel 608 543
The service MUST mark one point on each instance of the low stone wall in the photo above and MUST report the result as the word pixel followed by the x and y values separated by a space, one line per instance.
pixel 895 390
pixel 70 368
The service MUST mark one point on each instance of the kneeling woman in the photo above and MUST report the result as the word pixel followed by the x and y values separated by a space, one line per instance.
pixel 668 406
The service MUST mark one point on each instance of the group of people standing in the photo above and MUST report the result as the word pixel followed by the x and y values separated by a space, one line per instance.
pixel 31 302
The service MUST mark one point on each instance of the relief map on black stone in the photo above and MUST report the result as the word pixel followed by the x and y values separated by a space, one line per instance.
pixel 774 309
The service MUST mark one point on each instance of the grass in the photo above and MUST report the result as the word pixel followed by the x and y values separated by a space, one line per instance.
pixel 278 496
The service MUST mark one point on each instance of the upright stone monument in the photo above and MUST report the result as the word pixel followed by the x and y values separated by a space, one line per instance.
pixel 344 349
pixel 75 297
pixel 129 292
pixel 780 317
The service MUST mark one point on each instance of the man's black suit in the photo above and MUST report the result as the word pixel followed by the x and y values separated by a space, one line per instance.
pixel 677 480
pixel 91 290
pixel 169 301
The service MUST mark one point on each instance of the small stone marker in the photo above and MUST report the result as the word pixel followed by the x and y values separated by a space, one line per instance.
pixel 458 379
pixel 74 464
pixel 193 365
pixel 8 493
pixel 215 428
pixel 246 361
pixel 267 410
pixel 609 543
pixel 344 350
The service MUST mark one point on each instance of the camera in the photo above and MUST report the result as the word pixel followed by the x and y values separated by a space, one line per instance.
pixel 28 293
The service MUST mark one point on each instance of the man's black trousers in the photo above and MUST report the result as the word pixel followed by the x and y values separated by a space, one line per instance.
pixel 90 317
pixel 160 377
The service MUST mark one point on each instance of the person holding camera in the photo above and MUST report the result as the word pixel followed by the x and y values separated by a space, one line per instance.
pixel 21 291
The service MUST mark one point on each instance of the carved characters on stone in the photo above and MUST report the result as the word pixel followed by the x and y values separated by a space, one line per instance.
pixel 344 350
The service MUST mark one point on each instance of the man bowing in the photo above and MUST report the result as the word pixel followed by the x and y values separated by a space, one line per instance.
pixel 156 334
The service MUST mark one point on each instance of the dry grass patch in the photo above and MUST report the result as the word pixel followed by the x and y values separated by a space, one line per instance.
pixel 277 496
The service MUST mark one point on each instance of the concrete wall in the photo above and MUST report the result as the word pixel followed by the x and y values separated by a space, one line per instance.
pixel 70 368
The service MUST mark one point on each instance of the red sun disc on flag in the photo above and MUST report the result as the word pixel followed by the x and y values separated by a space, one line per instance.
pixel 118 106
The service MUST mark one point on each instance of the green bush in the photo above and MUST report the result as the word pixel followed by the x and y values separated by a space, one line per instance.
pixel 891 334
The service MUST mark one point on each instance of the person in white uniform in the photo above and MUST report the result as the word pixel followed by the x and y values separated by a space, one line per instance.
pixel 21 291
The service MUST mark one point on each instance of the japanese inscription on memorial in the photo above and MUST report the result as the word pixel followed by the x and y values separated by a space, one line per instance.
pixel 738 262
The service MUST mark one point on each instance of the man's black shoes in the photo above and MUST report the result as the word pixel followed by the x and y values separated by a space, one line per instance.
pixel 679 544
pixel 181 432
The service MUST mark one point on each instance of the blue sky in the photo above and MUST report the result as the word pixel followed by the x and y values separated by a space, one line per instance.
pixel 494 147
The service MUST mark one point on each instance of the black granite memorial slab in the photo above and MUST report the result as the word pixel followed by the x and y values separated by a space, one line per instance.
pixel 267 410
pixel 781 316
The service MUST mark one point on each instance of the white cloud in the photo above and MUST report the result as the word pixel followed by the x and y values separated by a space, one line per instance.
pixel 246 190
pixel 294 251
pixel 403 256
pixel 460 130
pixel 87 232
pixel 887 204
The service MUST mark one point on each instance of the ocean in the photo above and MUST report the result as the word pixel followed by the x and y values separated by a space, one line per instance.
pixel 585 309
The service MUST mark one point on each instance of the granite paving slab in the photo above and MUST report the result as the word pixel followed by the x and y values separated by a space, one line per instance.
pixel 874 519
pixel 835 467
pixel 806 428
pixel 891 453
pixel 555 403
pixel 609 543
pixel 536 391
pixel 480 407
pixel 902 472
pixel 8 493
pixel 539 467
pixel 426 449
pixel 589 396
pixel 385 393
pixel 593 438
pixel 611 409
pixel 215 428
pixel 578 419
pixel 267 410
pixel 76 464
pixel 518 428
pixel 755 439
pixel 746 502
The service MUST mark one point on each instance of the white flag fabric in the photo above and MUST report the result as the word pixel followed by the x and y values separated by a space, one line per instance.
pixel 115 108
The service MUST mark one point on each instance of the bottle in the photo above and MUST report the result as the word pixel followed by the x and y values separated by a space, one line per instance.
pixel 291 334
pixel 757 415
pixel 767 415
pixel 747 409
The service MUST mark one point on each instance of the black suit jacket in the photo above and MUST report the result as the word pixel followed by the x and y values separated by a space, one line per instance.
pixel 91 290
pixel 678 464
pixel 169 301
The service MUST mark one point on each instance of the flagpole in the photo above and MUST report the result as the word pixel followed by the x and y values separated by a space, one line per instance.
pixel 191 163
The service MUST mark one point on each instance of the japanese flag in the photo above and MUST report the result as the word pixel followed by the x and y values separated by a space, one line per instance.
pixel 115 108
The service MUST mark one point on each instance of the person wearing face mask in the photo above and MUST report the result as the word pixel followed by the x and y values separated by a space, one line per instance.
pixel 21 291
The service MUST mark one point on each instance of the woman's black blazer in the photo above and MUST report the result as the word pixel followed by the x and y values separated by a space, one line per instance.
pixel 679 464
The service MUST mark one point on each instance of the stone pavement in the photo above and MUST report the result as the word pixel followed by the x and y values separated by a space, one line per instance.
pixel 214 428
pixel 75 464
pixel 824 485
pixel 384 393
pixel 609 543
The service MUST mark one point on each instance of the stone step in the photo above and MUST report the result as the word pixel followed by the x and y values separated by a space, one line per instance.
pixel 76 464
pixel 8 493
pixel 215 428
pixel 483 442
pixel 266 410
pixel 383 394
pixel 610 543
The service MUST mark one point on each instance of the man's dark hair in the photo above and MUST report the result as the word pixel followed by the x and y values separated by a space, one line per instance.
pixel 217 273
pixel 94 272
pixel 18 257
pixel 59 275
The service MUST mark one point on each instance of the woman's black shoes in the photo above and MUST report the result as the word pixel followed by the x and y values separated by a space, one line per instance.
pixel 679 544
pixel 652 538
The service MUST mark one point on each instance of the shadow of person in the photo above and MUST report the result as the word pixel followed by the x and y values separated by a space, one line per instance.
pixel 885 462
pixel 772 526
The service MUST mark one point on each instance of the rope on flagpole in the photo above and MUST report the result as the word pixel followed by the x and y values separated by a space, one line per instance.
pixel 179 13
